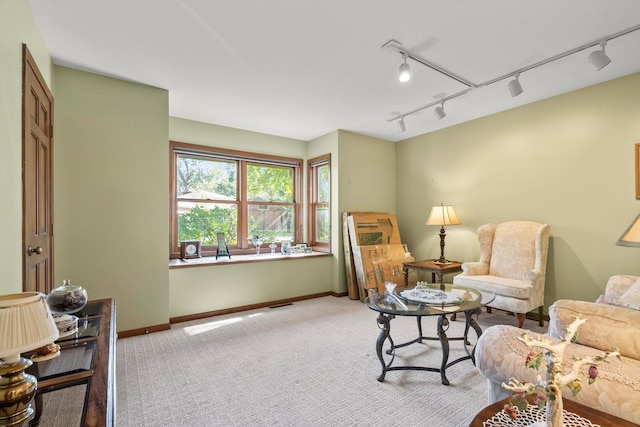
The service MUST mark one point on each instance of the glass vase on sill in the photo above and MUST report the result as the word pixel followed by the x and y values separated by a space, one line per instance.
pixel 257 242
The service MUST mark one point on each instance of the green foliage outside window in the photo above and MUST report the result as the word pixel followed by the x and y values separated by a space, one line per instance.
pixel 269 183
pixel 202 224
pixel 208 202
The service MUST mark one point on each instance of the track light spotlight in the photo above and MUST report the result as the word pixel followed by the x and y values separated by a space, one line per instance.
pixel 598 58
pixel 404 72
pixel 439 112
pixel 514 85
pixel 401 125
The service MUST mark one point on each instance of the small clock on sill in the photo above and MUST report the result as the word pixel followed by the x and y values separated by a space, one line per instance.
pixel 190 249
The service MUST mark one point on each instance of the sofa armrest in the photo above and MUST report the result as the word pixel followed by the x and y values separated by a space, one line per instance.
pixel 474 268
pixel 616 286
pixel 532 276
pixel 606 328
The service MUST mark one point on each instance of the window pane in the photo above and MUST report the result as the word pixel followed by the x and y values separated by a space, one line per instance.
pixel 269 183
pixel 322 223
pixel 201 221
pixel 205 179
pixel 271 222
pixel 324 184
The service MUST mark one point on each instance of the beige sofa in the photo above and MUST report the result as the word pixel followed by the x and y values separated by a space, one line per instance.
pixel 611 323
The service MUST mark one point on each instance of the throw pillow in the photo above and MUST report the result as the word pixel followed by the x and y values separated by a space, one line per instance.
pixel 631 298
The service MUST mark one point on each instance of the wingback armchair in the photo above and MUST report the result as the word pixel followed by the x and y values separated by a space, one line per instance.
pixel 513 264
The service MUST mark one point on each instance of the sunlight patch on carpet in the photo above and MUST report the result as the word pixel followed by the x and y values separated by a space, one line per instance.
pixel 209 326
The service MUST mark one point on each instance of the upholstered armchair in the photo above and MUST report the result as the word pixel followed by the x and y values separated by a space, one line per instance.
pixel 513 263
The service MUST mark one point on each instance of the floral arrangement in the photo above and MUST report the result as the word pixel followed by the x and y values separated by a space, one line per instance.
pixel 548 391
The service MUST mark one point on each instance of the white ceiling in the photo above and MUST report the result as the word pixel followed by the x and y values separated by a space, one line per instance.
pixel 302 69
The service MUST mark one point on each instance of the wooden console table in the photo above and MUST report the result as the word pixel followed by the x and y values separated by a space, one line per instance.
pixel 77 388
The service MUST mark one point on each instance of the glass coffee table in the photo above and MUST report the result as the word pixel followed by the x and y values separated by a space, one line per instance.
pixel 437 300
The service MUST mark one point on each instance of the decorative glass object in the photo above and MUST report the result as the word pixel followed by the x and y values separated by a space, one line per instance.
pixel 285 247
pixel 67 298
pixel 222 249
pixel 273 247
pixel 257 242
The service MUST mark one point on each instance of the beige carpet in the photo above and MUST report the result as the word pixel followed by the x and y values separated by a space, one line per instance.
pixel 312 363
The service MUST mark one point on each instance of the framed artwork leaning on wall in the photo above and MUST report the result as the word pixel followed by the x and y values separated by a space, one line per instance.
pixel 638 171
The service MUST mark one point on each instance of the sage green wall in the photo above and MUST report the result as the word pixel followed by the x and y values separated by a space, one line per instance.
pixel 367 174
pixel 111 200
pixel 567 161
pixel 366 180
pixel 17 26
pixel 210 288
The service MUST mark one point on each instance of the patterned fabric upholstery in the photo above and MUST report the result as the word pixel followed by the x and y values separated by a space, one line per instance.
pixel 500 355
pixel 513 264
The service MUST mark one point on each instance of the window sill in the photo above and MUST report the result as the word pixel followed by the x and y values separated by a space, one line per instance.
pixel 239 259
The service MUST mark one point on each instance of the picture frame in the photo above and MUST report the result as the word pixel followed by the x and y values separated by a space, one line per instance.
pixel 190 249
pixel 221 249
pixel 638 171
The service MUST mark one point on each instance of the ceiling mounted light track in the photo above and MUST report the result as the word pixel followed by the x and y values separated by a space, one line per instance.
pixel 598 59
pixel 406 53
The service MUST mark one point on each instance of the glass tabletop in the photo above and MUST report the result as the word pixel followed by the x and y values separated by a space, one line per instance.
pixel 429 300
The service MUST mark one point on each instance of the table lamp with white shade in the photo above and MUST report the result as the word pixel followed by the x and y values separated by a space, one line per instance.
pixel 442 215
pixel 26 324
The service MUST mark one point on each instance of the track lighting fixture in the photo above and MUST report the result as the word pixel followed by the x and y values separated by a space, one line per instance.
pixel 404 72
pixel 598 58
pixel 401 125
pixel 514 85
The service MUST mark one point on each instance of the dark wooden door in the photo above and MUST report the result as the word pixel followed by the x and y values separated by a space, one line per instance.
pixel 37 177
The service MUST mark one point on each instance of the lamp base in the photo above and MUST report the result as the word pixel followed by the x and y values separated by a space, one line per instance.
pixel 442 261
pixel 17 390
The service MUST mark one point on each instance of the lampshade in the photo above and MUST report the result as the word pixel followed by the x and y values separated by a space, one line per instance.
pixel 25 324
pixel 443 215
pixel 631 237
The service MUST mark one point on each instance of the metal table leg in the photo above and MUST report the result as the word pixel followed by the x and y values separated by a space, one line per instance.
pixel 443 325
pixel 384 323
